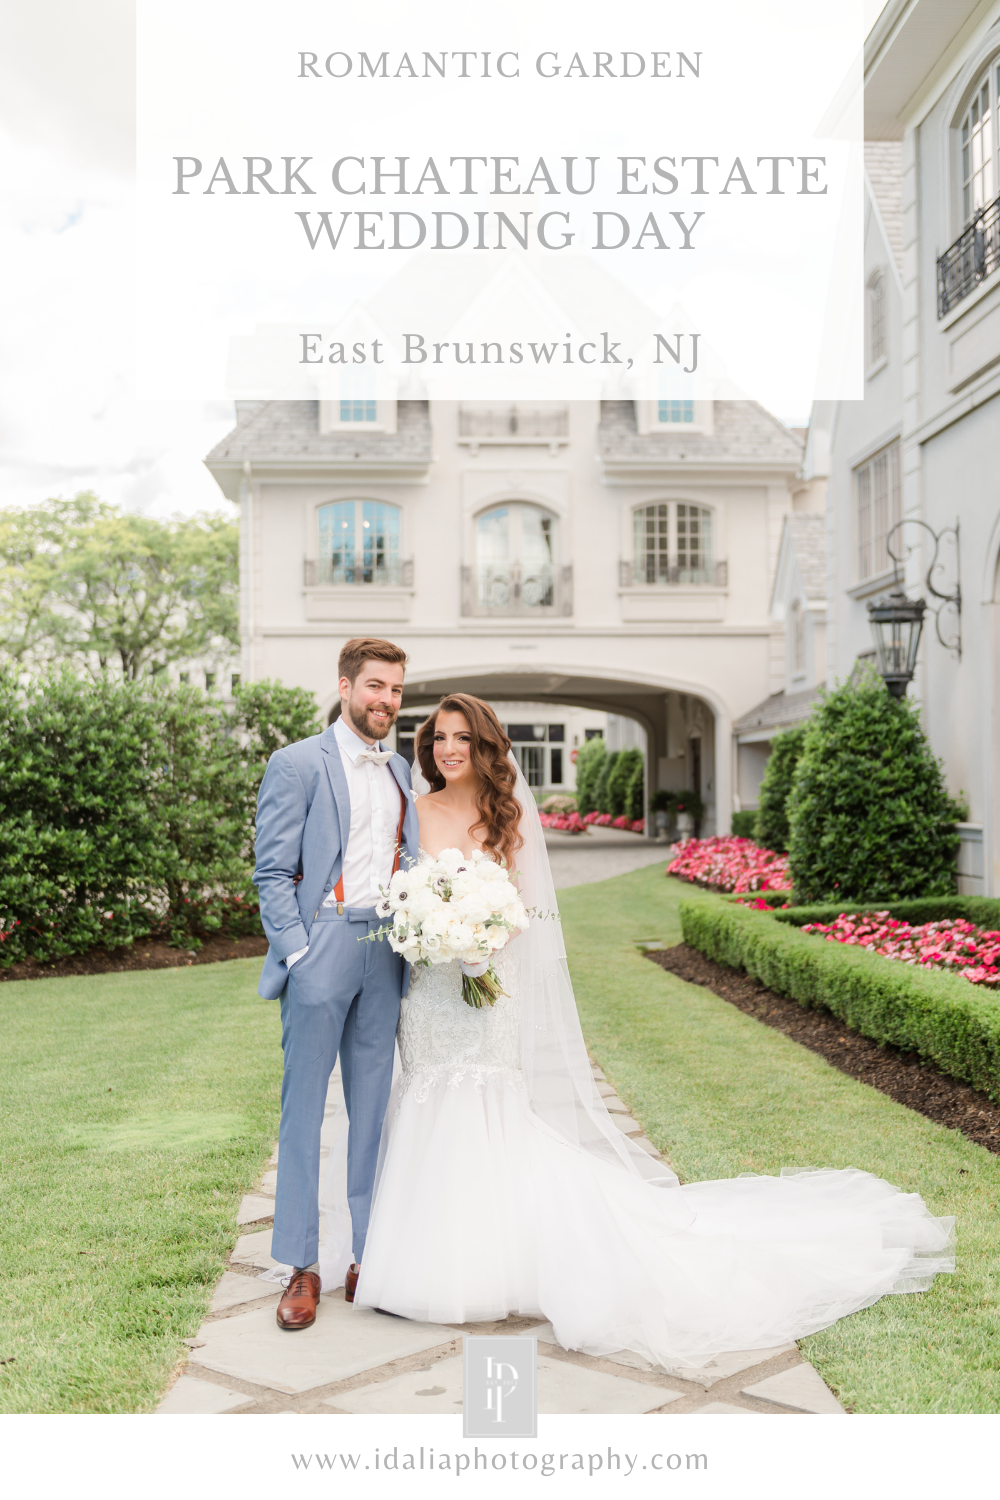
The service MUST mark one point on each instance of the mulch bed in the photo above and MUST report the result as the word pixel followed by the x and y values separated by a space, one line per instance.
pixel 899 1074
pixel 142 955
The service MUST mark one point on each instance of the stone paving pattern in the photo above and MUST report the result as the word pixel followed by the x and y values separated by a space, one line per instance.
pixel 357 1360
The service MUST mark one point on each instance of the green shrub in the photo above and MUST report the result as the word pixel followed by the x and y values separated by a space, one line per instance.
pixel 771 830
pixel 869 817
pixel 589 764
pixel 127 808
pixel 601 796
pixel 745 825
pixel 620 778
pixel 635 793
pixel 939 1015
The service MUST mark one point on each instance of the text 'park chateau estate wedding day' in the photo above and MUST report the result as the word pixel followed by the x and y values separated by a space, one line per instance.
pixel 499 772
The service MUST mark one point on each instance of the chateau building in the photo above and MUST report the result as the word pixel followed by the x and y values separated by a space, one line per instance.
pixel 616 558
pixel 913 468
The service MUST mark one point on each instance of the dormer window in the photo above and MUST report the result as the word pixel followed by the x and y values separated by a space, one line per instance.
pixel 359 411
pixel 357 414
pixel 674 417
pixel 675 411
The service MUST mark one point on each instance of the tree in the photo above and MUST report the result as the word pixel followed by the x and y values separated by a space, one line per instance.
pixel 604 776
pixel 589 761
pixel 771 829
pixel 869 816
pixel 635 799
pixel 80 581
pixel 620 780
pixel 33 629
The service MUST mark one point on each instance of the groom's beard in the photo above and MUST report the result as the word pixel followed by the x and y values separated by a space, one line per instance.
pixel 359 717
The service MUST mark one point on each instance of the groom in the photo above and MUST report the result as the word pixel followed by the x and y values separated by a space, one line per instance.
pixel 334 814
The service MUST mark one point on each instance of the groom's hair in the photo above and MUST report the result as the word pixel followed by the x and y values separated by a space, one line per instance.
pixel 367 648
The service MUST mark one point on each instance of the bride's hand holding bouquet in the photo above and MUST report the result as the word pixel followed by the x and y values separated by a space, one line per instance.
pixel 455 908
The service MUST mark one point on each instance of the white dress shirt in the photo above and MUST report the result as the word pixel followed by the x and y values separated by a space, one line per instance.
pixel 375 804
pixel 371 843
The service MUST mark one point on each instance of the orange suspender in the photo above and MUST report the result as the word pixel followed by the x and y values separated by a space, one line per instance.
pixel 338 889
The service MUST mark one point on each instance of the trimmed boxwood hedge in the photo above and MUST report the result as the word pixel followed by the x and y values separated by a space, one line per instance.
pixel 984 911
pixel 939 1015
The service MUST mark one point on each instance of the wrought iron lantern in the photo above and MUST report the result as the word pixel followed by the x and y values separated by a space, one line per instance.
pixel 896 623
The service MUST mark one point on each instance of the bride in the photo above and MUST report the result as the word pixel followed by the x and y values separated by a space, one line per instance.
pixel 504 1185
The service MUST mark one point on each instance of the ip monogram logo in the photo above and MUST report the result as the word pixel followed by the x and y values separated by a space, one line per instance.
pixel 500 1390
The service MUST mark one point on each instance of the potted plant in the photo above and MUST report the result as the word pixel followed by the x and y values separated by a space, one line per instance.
pixel 660 807
pixel 688 810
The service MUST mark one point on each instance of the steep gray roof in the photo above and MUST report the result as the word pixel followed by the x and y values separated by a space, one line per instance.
pixel 883 164
pixel 743 433
pixel 282 431
pixel 807 535
pixel 780 711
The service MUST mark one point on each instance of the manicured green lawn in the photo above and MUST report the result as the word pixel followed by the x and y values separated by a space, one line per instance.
pixel 135 1110
pixel 721 1094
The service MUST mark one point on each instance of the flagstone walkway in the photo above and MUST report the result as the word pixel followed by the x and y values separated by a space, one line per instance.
pixel 357 1360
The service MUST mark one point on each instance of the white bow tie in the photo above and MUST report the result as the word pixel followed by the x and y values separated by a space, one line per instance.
pixel 379 757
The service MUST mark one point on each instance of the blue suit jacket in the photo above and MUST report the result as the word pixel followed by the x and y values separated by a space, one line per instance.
pixel 303 822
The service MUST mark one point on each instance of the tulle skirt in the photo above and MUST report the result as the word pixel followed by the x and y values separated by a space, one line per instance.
pixel 480 1211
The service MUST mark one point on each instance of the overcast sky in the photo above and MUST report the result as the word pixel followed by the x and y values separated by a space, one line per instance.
pixel 68 419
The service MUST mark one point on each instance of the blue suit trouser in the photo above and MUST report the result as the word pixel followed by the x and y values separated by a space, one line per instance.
pixel 342 996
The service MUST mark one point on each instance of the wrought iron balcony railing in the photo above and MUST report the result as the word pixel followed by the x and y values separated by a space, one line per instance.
pixel 516 589
pixel 633 576
pixel 322 573
pixel 974 256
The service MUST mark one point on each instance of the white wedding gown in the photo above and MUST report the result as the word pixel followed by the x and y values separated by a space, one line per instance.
pixel 483 1208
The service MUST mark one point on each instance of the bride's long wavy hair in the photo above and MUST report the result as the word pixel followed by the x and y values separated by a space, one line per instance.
pixel 498 808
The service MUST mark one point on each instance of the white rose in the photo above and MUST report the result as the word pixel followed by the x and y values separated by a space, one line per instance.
pixel 473 908
pixel 435 924
pixel 463 885
pixel 423 904
pixel 496 937
pixel 459 937
pixel 449 860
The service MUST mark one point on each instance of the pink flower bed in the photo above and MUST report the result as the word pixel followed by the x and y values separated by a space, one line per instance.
pixel 573 823
pixel 956 945
pixel 730 864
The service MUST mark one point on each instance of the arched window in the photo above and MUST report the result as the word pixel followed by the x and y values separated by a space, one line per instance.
pixel 672 543
pixel 359 542
pixel 979 142
pixel 515 559
pixel 876 318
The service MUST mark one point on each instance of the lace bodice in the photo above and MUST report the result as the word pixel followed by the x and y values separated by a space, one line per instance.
pixel 442 1038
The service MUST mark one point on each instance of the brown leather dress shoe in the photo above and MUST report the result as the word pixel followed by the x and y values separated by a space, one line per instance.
pixel 351 1282
pixel 297 1308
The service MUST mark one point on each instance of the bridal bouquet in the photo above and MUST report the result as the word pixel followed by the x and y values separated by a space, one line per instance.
pixel 454 907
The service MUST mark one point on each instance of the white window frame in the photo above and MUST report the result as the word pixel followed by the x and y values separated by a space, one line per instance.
pixel 871 529
pixel 400 565
pixel 985 163
pixel 876 320
pixel 330 420
pixel 673 536
pixel 518 609
pixel 648 422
